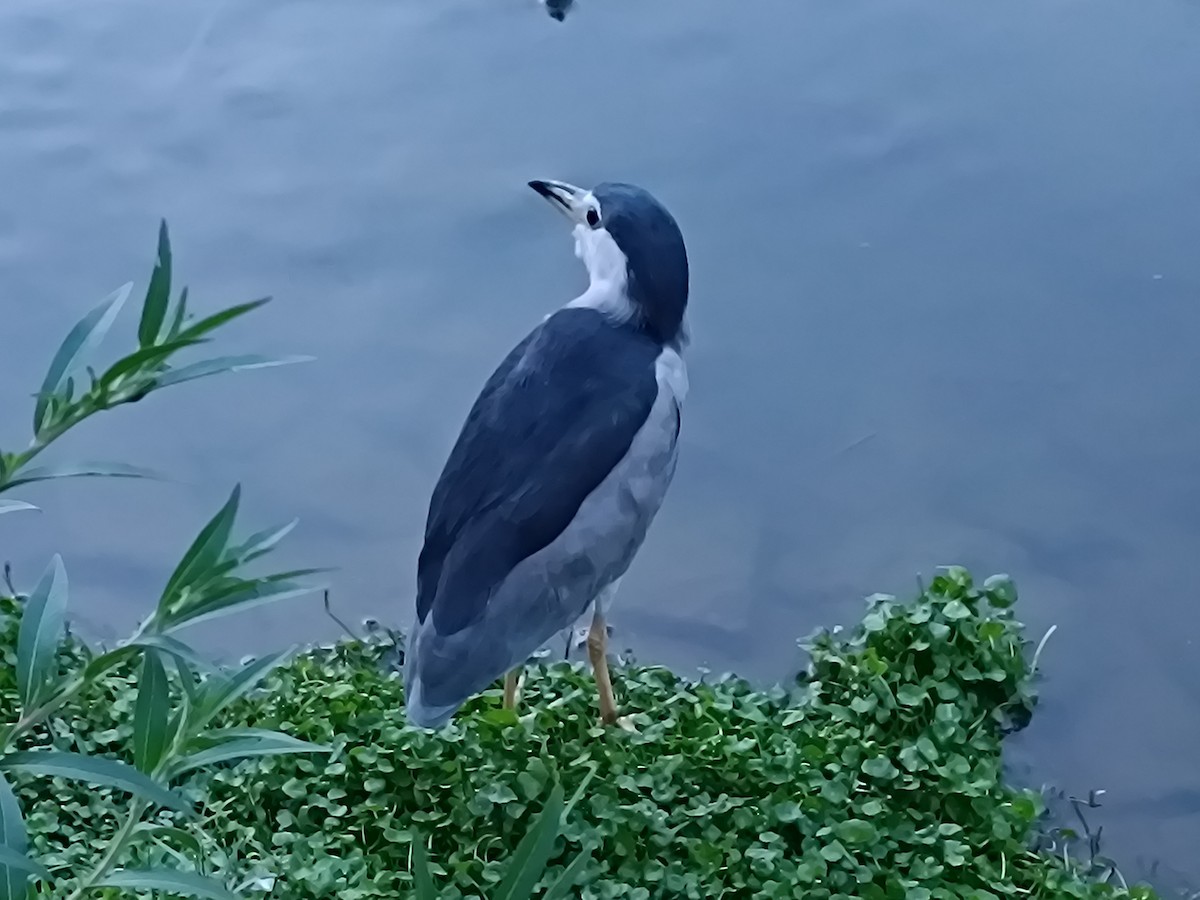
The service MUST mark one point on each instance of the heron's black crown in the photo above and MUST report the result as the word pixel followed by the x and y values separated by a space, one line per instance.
pixel 657 258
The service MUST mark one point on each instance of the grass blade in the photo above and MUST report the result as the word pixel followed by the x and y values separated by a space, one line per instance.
pixel 170 881
pixel 13 881
pixel 158 293
pixel 171 838
pixel 82 470
pixel 217 319
pixel 205 550
pixel 7 506
pixel 569 877
pixel 221 364
pixel 82 339
pixel 533 852
pixel 422 878
pixel 270 744
pixel 180 316
pixel 93 770
pixel 40 631
pixel 191 687
pixel 15 862
pixel 150 712
pixel 218 694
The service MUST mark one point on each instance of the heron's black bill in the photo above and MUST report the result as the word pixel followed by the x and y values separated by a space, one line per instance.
pixel 547 190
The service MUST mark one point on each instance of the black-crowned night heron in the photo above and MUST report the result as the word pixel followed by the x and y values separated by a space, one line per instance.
pixel 561 466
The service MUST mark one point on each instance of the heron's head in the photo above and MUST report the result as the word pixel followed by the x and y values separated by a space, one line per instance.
pixel 631 245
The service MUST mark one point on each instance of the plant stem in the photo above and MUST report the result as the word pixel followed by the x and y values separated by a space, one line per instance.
pixel 34 717
pixel 118 843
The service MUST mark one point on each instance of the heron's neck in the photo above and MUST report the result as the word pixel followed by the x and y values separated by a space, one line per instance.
pixel 609 297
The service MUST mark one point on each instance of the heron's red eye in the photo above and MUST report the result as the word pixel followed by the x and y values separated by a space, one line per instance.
pixel 593 218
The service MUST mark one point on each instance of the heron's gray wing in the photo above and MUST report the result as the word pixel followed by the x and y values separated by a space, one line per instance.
pixel 553 420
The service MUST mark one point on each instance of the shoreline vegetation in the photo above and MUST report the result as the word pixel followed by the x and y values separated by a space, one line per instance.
pixel 145 770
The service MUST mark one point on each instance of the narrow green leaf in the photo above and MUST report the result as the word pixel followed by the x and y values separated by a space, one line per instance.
pixel 13 880
pixel 260 543
pixel 528 861
pixel 7 506
pixel 219 692
pixel 15 863
pixel 592 768
pixel 422 878
pixel 205 550
pixel 173 647
pixel 82 470
pixel 170 881
pixel 172 838
pixel 217 736
pixel 93 770
pixel 180 317
pixel 221 364
pixel 244 748
pixel 150 713
pixel 158 293
pixel 105 662
pixel 191 687
pixel 256 595
pixel 81 340
pixel 145 358
pixel 217 319
pixel 40 632
pixel 561 888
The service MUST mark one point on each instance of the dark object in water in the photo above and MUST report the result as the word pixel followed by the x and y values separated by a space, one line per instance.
pixel 558 9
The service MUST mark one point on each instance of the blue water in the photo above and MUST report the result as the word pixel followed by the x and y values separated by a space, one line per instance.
pixel 946 299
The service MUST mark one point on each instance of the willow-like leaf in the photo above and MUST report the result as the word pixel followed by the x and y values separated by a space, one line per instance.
pixel 7 506
pixel 204 552
pixel 93 770
pixel 173 647
pixel 151 713
pixel 12 861
pixel 146 358
pixel 262 542
pixel 528 861
pixel 81 470
pixel 158 293
pixel 81 340
pixel 40 632
pixel 14 880
pixel 269 744
pixel 220 364
pixel 422 877
pixel 239 601
pixel 217 319
pixel 180 317
pixel 169 881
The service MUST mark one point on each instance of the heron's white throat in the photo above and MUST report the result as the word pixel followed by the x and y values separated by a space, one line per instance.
pixel 608 273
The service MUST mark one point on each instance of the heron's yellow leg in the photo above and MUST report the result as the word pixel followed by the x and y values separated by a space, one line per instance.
pixel 511 687
pixel 598 652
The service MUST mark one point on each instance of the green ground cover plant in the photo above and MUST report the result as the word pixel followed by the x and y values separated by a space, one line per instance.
pixel 144 769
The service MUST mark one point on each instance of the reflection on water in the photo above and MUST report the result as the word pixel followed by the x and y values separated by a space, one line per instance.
pixel 558 9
